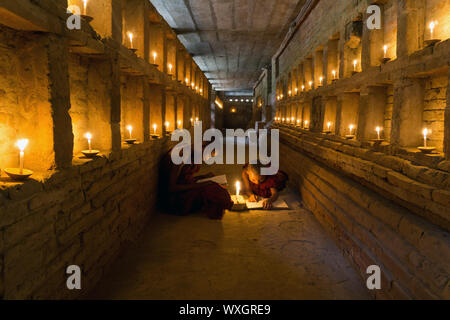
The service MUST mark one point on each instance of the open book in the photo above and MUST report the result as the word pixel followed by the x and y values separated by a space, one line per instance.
pixel 243 204
pixel 218 179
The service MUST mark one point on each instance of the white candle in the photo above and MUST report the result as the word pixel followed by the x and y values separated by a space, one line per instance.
pixel 303 88
pixel 432 26
pixel 355 62
pixel 154 128
pixel 85 6
pixel 385 50
pixel 290 92
pixel 320 80
pixel 192 121
pixel 130 129
pixel 378 129
pixel 21 144
pixel 130 35
pixel 283 120
pixel 351 128
pixel 296 90
pixel 179 123
pixel 88 136
pixel 425 133
pixel 292 119
pixel 310 84
pixel 154 57
pixel 187 81
pixel 334 74
pixel 298 122
pixel 238 188
pixel 170 68
pixel 329 125
pixel 306 123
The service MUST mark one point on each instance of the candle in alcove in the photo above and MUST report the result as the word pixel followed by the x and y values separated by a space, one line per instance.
pixel 292 119
pixel 179 123
pixel 130 129
pixel 351 128
pixel 187 81
pixel 329 125
pixel 290 92
pixel 167 124
pixel 385 47
pixel 355 62
pixel 320 80
pixel 238 188
pixel 88 136
pixel 296 90
pixel 21 144
pixel 85 7
pixel 196 119
pixel 306 123
pixel 303 88
pixel 310 84
pixel 170 68
pixel 154 57
pixel 425 133
pixel 201 90
pixel 130 36
pixel 334 74
pixel 154 128
pixel 378 130
pixel 432 26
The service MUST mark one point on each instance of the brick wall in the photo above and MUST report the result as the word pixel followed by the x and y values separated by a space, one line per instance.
pixel 380 209
pixel 83 215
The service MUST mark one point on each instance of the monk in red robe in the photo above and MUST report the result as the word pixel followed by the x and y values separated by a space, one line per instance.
pixel 259 186
pixel 183 194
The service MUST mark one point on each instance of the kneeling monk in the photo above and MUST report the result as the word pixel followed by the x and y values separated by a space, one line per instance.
pixel 267 187
pixel 184 195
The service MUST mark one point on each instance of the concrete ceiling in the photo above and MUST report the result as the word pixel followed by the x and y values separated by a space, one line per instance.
pixel 230 40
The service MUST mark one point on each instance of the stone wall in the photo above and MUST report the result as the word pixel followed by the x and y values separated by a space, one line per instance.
pixel 79 216
pixel 380 209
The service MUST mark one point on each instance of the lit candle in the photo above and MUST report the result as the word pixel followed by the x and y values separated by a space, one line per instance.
pixel 170 68
pixel 292 119
pixel 238 188
pixel 355 62
pixel 85 7
pixel 310 84
pixel 306 123
pixel 432 26
pixel 196 119
pixel 298 122
pixel 321 80
pixel 303 88
pixel 283 120
pixel 425 133
pixel 22 144
pixel 351 128
pixel 290 92
pixel 187 81
pixel 329 125
pixel 192 121
pixel 154 128
pixel 296 90
pixel 334 74
pixel 378 129
pixel 154 57
pixel 130 35
pixel 385 50
pixel 179 123
pixel 88 136
pixel 130 129
pixel 201 90
pixel 281 96
pixel 167 125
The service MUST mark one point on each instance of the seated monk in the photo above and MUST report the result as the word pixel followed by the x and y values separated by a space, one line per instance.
pixel 257 185
pixel 182 194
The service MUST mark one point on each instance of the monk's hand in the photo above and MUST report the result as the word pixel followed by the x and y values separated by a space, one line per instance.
pixel 267 204
pixel 252 198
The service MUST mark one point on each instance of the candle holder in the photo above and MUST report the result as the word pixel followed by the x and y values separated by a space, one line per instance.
pixel 349 136
pixel 327 132
pixel 385 60
pixel 130 141
pixel 90 153
pixel 426 150
pixel 354 72
pixel 334 80
pixel 154 136
pixel 376 142
pixel 431 42
pixel 238 203
pixel 155 65
pixel 18 175
pixel 134 50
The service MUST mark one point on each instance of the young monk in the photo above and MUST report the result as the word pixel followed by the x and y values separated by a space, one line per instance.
pixel 182 194
pixel 259 186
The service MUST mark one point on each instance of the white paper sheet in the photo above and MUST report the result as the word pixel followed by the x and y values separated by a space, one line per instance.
pixel 279 204
pixel 218 179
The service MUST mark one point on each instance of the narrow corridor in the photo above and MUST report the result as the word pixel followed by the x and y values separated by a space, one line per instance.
pixel 248 255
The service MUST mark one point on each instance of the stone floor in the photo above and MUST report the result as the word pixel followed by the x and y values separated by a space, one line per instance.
pixel 248 255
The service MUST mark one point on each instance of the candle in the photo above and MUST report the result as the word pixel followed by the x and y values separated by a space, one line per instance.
pixel 334 74
pixel 385 50
pixel 298 122
pixel 130 129
pixel 329 125
pixel 238 188
pixel 425 133
pixel 292 119
pixel 290 92
pixel 88 136
pixel 187 81
pixel 21 144
pixel 85 7
pixel 170 68
pixel 179 123
pixel 196 119
pixel 130 35
pixel 154 128
pixel 306 123
pixel 310 84
pixel 378 129
pixel 320 80
pixel 296 90
pixel 432 26
pixel 167 125
pixel 354 65
pixel 351 128
pixel 303 88
pixel 201 90
pixel 283 120
pixel 154 57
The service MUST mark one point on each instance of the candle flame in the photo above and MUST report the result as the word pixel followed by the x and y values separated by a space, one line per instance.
pixel 22 144
pixel 426 132
pixel 238 188
pixel 88 136
pixel 167 124
pixel 130 35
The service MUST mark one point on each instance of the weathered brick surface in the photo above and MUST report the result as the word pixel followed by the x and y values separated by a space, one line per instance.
pixel 412 252
pixel 81 216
